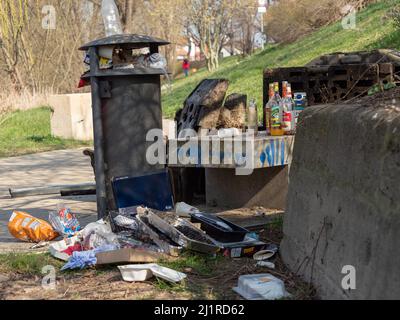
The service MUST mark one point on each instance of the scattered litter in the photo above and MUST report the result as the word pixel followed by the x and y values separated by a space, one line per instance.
pixel 261 287
pixel 129 255
pixel 39 245
pixel 180 231
pixel 64 222
pixel 246 248
pixel 266 254
pixel 27 228
pixel 126 222
pixel 135 275
pixel 253 235
pixel 266 264
pixel 220 229
pixel 98 234
pixel 106 52
pixel 132 273
pixel 162 241
pixel 83 259
pixel 63 249
pixel 184 210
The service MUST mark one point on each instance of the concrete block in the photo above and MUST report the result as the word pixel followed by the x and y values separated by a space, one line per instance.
pixel 264 187
pixel 72 117
pixel 343 204
pixel 169 128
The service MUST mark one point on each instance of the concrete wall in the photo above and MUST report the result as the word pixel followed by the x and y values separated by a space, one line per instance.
pixel 344 201
pixel 72 117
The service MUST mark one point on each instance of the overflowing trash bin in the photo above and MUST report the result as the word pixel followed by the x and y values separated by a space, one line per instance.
pixel 124 74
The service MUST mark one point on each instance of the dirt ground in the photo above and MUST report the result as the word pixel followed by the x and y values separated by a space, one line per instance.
pixel 208 277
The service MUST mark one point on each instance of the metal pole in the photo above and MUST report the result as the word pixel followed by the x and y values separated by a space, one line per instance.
pixel 262 31
pixel 98 136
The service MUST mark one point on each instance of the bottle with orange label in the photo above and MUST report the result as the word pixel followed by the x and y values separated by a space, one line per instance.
pixel 267 109
pixel 288 124
pixel 276 113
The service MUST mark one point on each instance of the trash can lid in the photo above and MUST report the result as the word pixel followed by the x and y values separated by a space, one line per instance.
pixel 133 41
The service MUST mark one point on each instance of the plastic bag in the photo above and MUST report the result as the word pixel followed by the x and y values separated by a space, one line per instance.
pixel 25 227
pixel 98 234
pixel 65 222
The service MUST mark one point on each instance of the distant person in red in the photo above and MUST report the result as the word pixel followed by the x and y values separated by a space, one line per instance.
pixel 186 67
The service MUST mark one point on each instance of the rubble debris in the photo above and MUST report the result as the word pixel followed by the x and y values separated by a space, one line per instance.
pixel 261 287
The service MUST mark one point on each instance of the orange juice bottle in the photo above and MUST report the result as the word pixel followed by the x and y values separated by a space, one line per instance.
pixel 276 113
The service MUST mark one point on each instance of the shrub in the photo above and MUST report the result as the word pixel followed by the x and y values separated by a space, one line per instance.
pixel 288 20
pixel 395 15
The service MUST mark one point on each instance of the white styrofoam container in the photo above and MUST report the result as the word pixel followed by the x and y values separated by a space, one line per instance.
pixel 261 287
pixel 132 274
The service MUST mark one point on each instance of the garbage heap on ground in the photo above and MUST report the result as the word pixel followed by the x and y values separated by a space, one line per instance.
pixel 136 239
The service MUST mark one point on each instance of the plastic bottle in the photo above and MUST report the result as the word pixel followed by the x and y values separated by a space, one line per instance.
pixel 267 109
pixel 288 124
pixel 276 113
pixel 111 19
pixel 252 118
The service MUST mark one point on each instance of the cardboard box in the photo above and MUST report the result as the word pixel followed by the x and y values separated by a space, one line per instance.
pixel 247 251
pixel 129 255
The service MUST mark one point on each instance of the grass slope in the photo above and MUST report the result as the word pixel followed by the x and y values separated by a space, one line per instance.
pixel 374 30
pixel 25 132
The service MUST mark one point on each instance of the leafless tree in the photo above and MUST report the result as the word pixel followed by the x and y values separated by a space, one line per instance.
pixel 208 23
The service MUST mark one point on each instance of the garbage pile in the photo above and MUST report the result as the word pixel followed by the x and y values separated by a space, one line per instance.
pixel 135 240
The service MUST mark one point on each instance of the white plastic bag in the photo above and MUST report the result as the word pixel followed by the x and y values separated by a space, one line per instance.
pixel 98 234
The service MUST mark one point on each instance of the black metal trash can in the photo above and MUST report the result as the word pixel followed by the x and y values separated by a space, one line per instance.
pixel 126 104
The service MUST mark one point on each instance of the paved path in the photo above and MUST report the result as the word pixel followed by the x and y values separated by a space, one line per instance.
pixel 38 170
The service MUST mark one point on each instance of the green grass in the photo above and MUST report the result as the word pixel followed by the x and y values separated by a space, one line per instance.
pixel 25 132
pixel 27 264
pixel 199 263
pixel 374 31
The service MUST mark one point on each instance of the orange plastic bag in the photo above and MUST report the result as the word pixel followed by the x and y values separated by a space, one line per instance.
pixel 25 227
